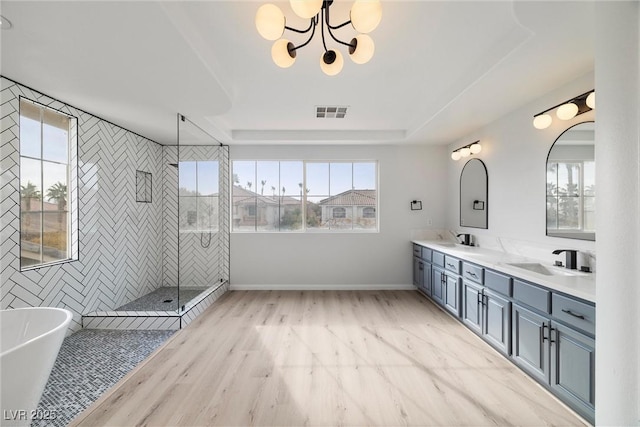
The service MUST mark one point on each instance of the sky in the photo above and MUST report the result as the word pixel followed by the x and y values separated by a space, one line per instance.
pixel 54 153
pixel 323 179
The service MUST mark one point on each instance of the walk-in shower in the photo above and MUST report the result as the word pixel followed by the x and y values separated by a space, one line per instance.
pixel 194 253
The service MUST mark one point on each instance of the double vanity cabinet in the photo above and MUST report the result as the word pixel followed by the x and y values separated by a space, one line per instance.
pixel 545 325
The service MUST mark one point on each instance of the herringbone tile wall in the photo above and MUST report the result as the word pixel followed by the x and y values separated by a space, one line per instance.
pixel 203 258
pixel 120 250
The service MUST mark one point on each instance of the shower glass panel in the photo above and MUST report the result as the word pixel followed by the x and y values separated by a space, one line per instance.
pixel 201 214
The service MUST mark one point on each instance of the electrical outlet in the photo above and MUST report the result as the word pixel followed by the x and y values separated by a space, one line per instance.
pixel 429 221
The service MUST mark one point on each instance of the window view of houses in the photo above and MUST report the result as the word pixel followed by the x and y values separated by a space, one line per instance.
pixel 304 196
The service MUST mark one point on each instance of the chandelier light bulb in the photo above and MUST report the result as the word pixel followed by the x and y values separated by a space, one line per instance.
pixel 455 155
pixel 306 9
pixel 567 111
pixel 475 148
pixel 364 49
pixel 331 62
pixel 270 21
pixel 283 54
pixel 366 15
pixel 542 121
pixel 465 152
pixel 591 100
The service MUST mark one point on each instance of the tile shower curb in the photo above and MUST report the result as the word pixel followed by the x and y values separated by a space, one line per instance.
pixel 154 320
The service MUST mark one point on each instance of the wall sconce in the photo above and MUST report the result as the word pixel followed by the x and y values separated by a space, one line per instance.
pixel 566 110
pixel 467 150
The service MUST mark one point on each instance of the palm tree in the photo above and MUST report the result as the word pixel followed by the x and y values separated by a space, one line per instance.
pixel 249 184
pixel 28 192
pixel 58 192
pixel 236 178
pixel 263 182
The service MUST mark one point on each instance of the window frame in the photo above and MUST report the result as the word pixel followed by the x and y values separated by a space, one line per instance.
pixel 72 184
pixel 304 197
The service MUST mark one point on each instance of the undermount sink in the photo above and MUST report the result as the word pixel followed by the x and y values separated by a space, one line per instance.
pixel 447 244
pixel 536 267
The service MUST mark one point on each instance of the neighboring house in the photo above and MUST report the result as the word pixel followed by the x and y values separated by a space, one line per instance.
pixel 252 209
pixel 352 208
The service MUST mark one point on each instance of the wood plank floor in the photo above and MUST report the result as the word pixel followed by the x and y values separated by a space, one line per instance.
pixel 326 358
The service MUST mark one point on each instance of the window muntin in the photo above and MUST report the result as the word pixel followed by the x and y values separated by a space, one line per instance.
pixel 45 183
pixel 571 196
pixel 270 196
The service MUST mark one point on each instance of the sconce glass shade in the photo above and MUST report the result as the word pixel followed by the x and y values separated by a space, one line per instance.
pixel 542 121
pixel 281 55
pixel 465 152
pixel 567 111
pixel 363 52
pixel 306 9
pixel 270 21
pixel 331 62
pixel 366 15
pixel 591 100
pixel 475 148
pixel 455 155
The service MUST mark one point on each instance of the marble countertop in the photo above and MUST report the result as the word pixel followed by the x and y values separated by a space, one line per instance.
pixel 571 282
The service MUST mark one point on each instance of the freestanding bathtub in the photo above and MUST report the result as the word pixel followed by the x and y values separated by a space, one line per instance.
pixel 29 343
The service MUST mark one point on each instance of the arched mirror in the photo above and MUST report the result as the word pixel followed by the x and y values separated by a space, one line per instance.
pixel 571 184
pixel 474 195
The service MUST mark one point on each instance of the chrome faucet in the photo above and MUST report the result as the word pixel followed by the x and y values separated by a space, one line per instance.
pixel 466 240
pixel 571 262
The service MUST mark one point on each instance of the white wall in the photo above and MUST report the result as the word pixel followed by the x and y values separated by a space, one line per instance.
pixel 347 260
pixel 515 154
pixel 618 207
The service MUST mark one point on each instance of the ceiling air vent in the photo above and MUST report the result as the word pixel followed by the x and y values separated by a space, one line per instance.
pixel 331 112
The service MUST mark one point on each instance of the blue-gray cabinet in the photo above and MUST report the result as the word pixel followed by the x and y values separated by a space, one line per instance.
pixel 530 348
pixel 573 362
pixel 549 335
pixel 488 314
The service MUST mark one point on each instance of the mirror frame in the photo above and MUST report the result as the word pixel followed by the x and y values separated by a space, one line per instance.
pixel 486 195
pixel 578 236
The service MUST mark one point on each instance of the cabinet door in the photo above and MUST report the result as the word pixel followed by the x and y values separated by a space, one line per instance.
pixel 437 285
pixel 452 294
pixel 426 284
pixel 497 321
pixel 573 360
pixel 418 272
pixel 472 305
pixel 531 342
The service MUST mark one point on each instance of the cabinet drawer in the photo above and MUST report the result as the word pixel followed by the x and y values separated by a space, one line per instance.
pixel 498 282
pixel 532 296
pixel 452 264
pixel 438 259
pixel 575 313
pixel 417 250
pixel 426 254
pixel 473 272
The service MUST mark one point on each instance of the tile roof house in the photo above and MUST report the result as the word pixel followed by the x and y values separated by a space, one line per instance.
pixel 350 209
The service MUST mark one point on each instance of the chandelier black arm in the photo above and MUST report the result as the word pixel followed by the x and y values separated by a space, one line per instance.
pixel 339 41
pixel 313 28
pixel 311 25
pixel 330 27
pixel 337 27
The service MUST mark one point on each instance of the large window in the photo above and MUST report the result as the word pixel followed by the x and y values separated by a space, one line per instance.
pixel 304 196
pixel 46 138
pixel 571 196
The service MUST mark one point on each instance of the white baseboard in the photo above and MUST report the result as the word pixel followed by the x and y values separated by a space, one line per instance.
pixel 319 287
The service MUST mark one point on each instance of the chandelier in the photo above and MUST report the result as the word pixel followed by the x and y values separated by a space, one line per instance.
pixel 364 17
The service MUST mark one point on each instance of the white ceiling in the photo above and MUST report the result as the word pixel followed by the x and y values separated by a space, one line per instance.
pixel 441 68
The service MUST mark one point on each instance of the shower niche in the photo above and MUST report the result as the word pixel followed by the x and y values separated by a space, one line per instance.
pixel 194 254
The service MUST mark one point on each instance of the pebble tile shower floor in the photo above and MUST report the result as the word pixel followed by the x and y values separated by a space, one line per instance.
pixel 89 363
